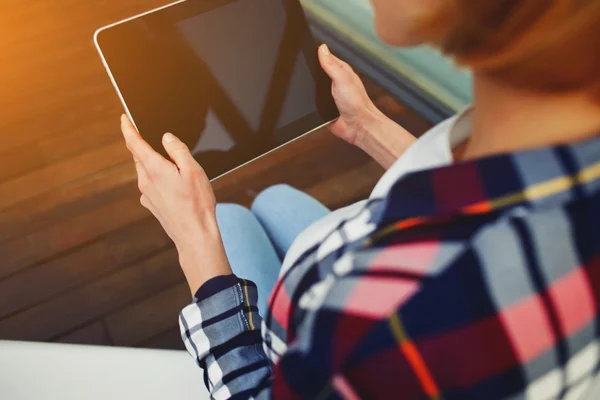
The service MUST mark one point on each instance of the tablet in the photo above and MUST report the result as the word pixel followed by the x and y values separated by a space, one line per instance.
pixel 233 79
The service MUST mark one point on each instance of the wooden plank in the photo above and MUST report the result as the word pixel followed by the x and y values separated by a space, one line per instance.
pixel 347 187
pixel 22 252
pixel 68 201
pixel 85 264
pixel 20 162
pixel 56 175
pixel 93 334
pixel 150 317
pixel 33 156
pixel 34 285
pixel 137 241
pixel 60 116
pixel 35 74
pixel 168 340
pixel 82 139
pixel 52 319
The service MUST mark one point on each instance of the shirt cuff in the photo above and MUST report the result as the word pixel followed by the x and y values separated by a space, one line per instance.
pixel 221 330
pixel 214 286
pixel 223 308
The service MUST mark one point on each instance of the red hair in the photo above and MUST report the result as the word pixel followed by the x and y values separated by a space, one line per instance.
pixel 539 45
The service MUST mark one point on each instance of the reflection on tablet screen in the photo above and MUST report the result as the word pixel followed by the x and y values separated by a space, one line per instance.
pixel 233 80
pixel 248 85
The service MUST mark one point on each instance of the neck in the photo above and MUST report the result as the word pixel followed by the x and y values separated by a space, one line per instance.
pixel 507 120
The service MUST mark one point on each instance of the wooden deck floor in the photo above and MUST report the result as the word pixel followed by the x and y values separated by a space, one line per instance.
pixel 80 260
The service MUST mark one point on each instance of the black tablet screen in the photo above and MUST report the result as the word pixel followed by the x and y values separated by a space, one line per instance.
pixel 232 78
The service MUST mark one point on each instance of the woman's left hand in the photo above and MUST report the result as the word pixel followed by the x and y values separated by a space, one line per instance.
pixel 180 196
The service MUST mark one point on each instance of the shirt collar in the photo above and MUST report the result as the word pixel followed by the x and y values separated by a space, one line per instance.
pixel 544 176
pixel 433 149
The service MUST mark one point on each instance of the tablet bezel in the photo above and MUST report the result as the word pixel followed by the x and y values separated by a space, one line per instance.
pixel 124 103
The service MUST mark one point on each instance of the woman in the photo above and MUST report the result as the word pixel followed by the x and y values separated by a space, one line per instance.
pixel 472 271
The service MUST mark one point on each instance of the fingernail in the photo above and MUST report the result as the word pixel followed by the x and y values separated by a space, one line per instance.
pixel 169 137
pixel 325 49
pixel 123 116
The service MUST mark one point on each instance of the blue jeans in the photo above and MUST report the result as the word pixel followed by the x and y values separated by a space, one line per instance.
pixel 257 240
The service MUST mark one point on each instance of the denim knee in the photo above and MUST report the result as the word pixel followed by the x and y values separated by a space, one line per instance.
pixel 268 195
pixel 228 213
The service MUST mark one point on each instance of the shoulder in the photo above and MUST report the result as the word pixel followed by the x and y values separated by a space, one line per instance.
pixel 498 292
pixel 498 252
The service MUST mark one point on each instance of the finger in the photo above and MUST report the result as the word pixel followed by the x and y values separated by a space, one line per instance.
pixel 343 64
pixel 337 69
pixel 140 149
pixel 336 59
pixel 142 175
pixel 179 152
pixel 145 183
pixel 328 62
pixel 146 203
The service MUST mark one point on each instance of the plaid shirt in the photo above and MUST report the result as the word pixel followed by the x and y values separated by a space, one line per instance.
pixel 480 279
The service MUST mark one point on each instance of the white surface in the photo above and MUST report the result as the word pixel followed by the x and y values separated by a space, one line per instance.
pixel 71 372
pixel 65 372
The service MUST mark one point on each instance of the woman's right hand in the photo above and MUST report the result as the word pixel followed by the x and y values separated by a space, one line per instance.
pixel 350 96
pixel 361 123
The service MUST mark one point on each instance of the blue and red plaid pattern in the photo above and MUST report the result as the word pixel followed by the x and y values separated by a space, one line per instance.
pixel 476 280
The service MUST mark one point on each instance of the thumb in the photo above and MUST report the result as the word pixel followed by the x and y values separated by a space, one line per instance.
pixel 178 151
pixel 337 70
